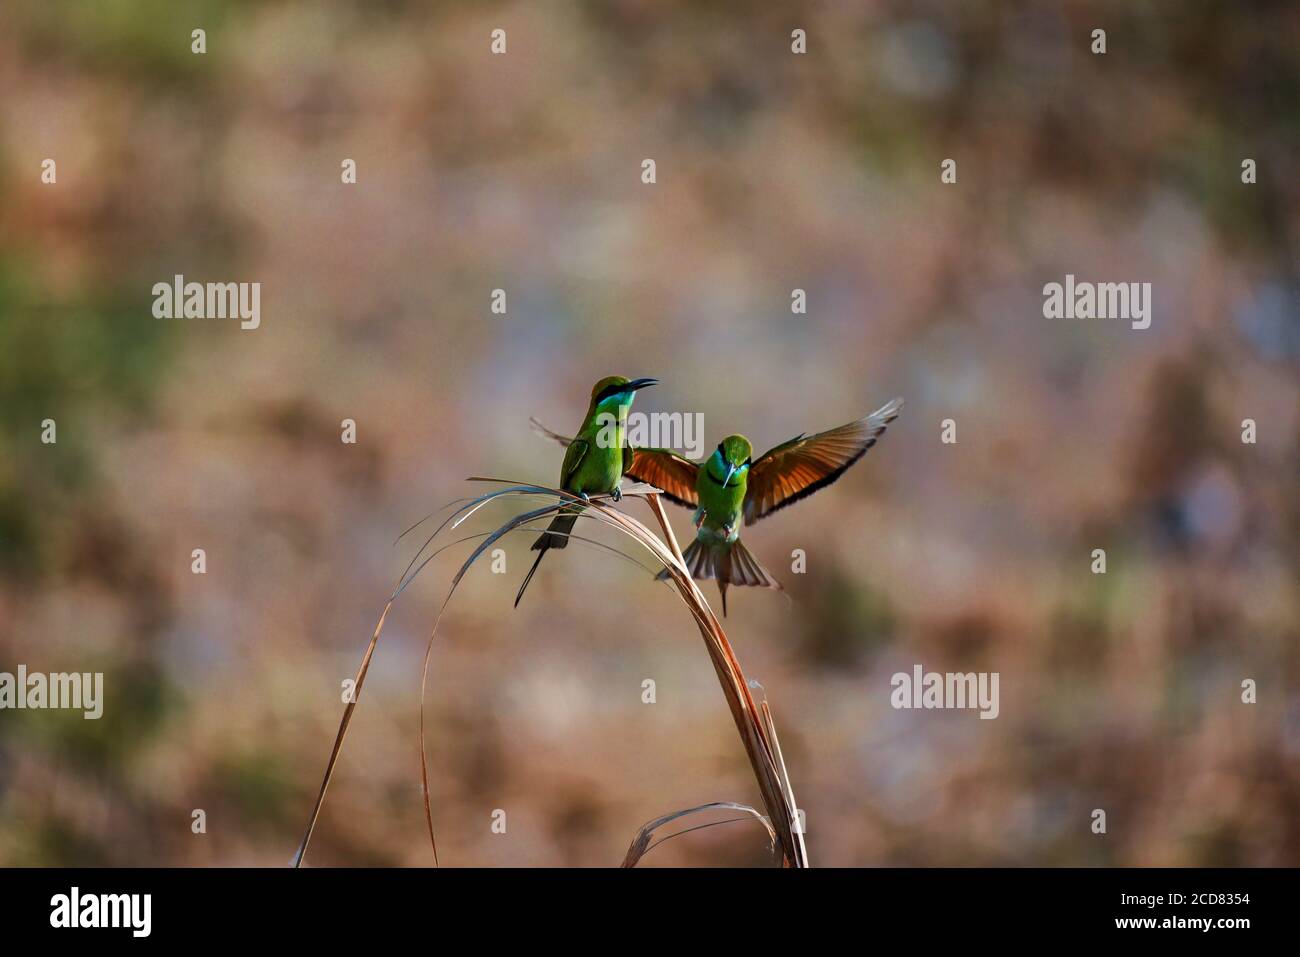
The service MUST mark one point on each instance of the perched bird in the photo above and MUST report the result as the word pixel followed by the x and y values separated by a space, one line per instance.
pixel 595 460
pixel 730 486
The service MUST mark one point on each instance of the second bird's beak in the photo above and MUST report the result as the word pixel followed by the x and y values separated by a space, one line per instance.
pixel 731 470
pixel 636 384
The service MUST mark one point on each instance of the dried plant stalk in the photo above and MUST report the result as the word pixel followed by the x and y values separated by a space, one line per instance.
pixel 754 723
pixel 756 728
pixel 641 843
pixel 342 733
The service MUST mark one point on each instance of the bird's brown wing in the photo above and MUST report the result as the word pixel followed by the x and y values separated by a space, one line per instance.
pixel 795 469
pixel 668 471
pixel 546 433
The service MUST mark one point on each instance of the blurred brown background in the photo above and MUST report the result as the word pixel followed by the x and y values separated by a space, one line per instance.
pixel 775 171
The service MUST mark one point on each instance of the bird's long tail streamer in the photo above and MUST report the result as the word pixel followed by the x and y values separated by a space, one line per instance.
pixel 556 535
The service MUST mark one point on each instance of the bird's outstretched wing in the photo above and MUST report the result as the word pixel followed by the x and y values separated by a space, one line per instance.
pixel 795 469
pixel 668 471
pixel 546 433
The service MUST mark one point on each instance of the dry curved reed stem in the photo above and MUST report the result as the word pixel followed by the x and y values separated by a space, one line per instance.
pixel 754 723
pixel 641 845
pixel 756 727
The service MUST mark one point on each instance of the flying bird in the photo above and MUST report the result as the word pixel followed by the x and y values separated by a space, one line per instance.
pixel 595 460
pixel 729 486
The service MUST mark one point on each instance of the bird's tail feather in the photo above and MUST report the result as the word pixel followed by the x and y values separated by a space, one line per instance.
pixel 557 533
pixel 730 563
pixel 555 536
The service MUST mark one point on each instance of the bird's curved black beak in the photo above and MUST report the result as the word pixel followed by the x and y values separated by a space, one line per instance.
pixel 636 384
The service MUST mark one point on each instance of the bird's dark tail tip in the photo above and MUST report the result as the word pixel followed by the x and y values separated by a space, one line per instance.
pixel 728 563
pixel 541 553
pixel 745 569
pixel 556 535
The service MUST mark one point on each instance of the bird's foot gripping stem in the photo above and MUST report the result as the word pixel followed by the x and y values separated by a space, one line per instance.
pixel 617 494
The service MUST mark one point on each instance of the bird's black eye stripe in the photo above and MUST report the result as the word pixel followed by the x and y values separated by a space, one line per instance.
pixel 722 452
pixel 610 390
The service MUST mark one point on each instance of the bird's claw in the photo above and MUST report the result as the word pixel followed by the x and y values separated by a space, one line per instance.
pixel 617 494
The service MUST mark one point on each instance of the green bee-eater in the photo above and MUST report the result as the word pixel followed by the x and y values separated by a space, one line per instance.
pixel 595 461
pixel 730 486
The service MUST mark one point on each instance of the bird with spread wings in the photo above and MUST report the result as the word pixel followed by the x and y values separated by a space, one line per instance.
pixel 730 486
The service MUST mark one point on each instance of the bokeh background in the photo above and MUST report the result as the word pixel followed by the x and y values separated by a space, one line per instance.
pixel 775 171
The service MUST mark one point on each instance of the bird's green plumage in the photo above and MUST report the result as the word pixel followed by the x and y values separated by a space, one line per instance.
pixel 595 460
pixel 729 488
pixel 721 485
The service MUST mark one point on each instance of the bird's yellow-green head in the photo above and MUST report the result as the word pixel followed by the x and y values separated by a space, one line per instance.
pixel 616 390
pixel 730 461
